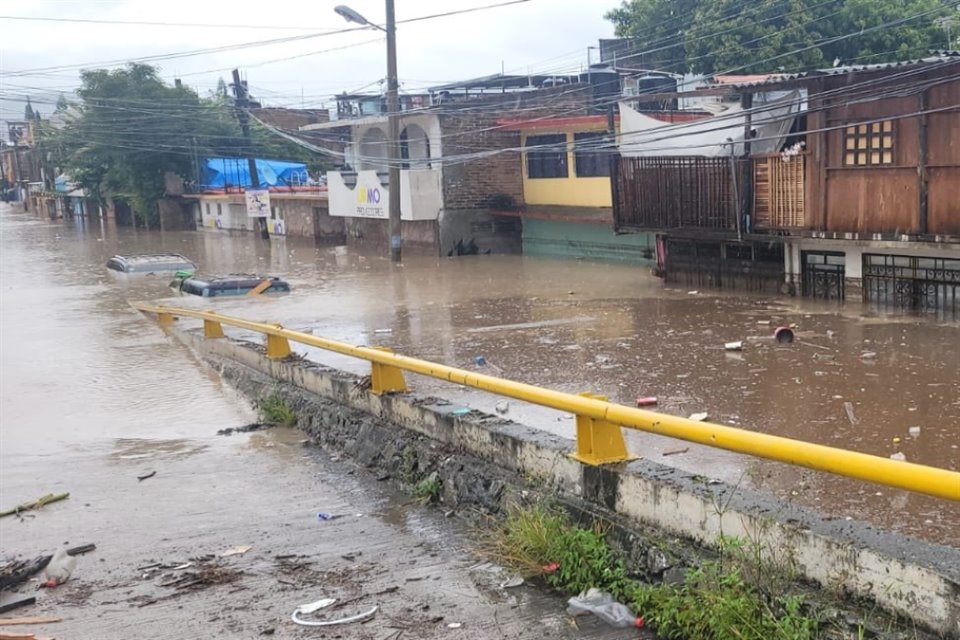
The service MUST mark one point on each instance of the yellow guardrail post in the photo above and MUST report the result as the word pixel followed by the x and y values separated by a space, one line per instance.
pixel 278 347
pixel 599 441
pixel 212 329
pixel 386 379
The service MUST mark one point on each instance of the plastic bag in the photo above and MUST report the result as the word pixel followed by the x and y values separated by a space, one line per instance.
pixel 603 606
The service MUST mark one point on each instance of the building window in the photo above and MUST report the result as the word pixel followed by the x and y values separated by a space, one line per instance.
pixel 219 209
pixel 208 208
pixel 273 213
pixel 548 161
pixel 591 156
pixel 868 145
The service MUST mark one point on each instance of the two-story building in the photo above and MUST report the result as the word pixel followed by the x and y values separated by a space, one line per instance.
pixel 856 197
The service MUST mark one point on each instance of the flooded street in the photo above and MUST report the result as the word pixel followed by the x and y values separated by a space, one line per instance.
pixel 83 375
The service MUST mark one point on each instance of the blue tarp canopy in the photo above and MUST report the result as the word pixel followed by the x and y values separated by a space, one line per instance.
pixel 234 172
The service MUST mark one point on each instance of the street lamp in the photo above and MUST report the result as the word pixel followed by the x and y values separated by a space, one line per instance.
pixel 393 118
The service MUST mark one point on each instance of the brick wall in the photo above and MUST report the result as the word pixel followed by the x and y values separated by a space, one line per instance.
pixel 311 219
pixel 419 236
pixel 496 182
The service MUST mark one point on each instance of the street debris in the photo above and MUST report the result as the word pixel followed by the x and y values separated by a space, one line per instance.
pixel 59 569
pixel 914 432
pixel 511 583
pixel 699 416
pixel 479 361
pixel 247 428
pixel 674 452
pixel 17 571
pixel 82 549
pixel 236 551
pixel 454 625
pixel 502 407
pixel 783 335
pixel 322 604
pixel 383 330
pixel 734 346
pixel 324 516
pixel 605 607
pixel 868 355
pixel 146 476
pixel 461 411
pixel 6 635
pixel 28 620
pixel 311 607
pixel 647 401
pixel 898 456
pixel 848 407
pixel 16 604
pixel 36 504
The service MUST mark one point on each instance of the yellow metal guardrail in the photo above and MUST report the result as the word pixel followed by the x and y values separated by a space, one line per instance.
pixel 599 437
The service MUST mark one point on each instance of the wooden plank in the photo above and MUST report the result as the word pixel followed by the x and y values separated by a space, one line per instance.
pixel 4 622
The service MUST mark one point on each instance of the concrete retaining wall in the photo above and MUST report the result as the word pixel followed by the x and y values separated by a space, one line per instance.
pixel 906 577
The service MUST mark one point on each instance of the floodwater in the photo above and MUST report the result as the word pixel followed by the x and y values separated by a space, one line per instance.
pixel 78 365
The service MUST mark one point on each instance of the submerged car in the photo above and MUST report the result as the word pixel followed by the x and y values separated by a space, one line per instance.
pixel 237 284
pixel 151 263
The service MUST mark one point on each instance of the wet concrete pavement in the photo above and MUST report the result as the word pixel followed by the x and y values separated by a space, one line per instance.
pixel 570 325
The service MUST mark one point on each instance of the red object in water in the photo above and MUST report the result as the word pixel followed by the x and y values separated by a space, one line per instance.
pixel 783 335
pixel 639 622
pixel 647 401
pixel 550 567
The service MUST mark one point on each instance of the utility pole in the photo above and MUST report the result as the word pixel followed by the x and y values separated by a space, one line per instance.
pixel 14 134
pixel 242 102
pixel 393 124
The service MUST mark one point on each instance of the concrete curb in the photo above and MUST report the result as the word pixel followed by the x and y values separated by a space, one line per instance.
pixel 906 577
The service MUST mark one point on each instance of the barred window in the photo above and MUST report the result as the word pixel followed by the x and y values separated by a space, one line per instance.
pixel 591 160
pixel 868 145
pixel 547 162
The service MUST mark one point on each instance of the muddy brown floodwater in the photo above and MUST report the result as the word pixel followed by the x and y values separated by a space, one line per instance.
pixel 566 324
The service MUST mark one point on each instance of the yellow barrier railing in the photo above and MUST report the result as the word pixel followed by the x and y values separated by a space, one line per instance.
pixel 599 438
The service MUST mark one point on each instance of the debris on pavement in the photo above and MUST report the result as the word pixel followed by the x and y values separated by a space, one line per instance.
pixel 311 607
pixel 16 604
pixel 324 516
pixel 15 572
pixel 898 456
pixel 146 476
pixel 247 428
pixel 236 551
pixel 647 401
pixel 511 583
pixel 734 346
pixel 454 625
pixel 36 504
pixel 699 416
pixel 502 407
pixel 82 549
pixel 914 432
pixel 360 617
pixel 29 620
pixel 59 569
pixel 674 452
pixel 604 606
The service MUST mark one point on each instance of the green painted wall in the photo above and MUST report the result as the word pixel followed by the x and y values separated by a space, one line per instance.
pixel 582 240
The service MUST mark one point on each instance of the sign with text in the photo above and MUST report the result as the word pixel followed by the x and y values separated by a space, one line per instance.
pixel 366 199
pixel 258 203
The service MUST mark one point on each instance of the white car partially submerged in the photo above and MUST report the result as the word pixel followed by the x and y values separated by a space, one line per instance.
pixel 151 264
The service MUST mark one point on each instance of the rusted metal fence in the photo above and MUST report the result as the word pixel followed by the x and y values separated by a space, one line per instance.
pixel 675 192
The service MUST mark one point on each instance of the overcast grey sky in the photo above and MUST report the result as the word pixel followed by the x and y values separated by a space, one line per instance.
pixel 536 36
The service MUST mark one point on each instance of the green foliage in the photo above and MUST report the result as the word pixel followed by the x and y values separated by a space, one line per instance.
pixel 130 128
pixel 714 602
pixel 428 489
pixel 533 538
pixel 711 36
pixel 274 410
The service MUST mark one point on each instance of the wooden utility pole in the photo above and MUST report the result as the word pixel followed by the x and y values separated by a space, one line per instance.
pixel 242 102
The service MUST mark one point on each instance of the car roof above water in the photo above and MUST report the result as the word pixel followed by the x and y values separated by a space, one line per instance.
pixel 151 263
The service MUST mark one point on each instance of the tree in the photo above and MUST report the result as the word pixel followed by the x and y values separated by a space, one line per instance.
pixel 28 110
pixel 62 104
pixel 222 91
pixel 713 36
